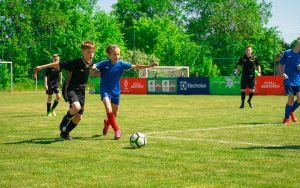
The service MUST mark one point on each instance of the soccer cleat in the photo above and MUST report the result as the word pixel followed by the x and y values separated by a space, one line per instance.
pixel 105 128
pixel 65 136
pixel 250 105
pixel 53 113
pixel 286 121
pixel 294 117
pixel 49 114
pixel 242 106
pixel 117 135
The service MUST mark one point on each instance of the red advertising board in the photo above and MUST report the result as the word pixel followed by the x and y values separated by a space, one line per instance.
pixel 269 85
pixel 133 86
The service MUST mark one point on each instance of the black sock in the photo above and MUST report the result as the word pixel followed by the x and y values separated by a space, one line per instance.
pixel 54 105
pixel 70 126
pixel 250 96
pixel 48 107
pixel 65 121
pixel 243 96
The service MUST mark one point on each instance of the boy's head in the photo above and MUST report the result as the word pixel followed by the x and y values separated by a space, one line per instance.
pixel 88 50
pixel 248 51
pixel 113 52
pixel 296 45
pixel 55 58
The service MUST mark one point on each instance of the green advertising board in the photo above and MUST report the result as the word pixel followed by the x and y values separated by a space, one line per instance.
pixel 162 85
pixel 225 85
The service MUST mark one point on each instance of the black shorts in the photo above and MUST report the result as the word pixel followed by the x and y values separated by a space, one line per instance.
pixel 76 96
pixel 248 81
pixel 50 91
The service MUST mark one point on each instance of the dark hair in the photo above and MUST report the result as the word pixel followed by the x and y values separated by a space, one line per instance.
pixel 248 47
pixel 88 45
pixel 110 48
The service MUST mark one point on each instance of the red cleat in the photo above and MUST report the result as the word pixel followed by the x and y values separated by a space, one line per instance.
pixel 117 134
pixel 286 121
pixel 106 127
pixel 294 117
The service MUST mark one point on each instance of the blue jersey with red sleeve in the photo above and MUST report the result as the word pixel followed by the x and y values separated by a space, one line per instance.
pixel 291 60
pixel 111 75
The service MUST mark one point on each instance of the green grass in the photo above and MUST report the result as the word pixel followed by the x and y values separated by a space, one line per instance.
pixel 253 151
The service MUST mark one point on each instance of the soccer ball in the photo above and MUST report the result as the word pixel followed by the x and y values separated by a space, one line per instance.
pixel 138 140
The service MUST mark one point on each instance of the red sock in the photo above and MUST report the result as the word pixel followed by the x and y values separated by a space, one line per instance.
pixel 107 122
pixel 112 120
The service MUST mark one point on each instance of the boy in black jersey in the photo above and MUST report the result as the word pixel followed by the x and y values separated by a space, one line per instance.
pixel 74 87
pixel 53 79
pixel 249 63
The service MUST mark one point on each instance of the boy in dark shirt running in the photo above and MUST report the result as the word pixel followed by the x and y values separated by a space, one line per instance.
pixel 74 87
pixel 249 63
pixel 53 79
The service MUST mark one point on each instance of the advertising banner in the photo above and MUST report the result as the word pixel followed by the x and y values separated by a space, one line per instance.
pixel 193 86
pixel 162 85
pixel 269 85
pixel 133 85
pixel 225 85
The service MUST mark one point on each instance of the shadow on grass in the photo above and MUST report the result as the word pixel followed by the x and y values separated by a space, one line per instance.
pixel 288 147
pixel 53 140
pixel 128 147
pixel 260 123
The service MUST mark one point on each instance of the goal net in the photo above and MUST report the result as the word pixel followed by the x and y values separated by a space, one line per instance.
pixel 6 76
pixel 165 72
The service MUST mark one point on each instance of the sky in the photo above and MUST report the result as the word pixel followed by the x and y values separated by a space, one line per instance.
pixel 285 16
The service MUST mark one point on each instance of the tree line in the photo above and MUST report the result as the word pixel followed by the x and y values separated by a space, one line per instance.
pixel 177 32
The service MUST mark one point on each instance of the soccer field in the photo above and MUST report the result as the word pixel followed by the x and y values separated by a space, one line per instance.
pixel 193 141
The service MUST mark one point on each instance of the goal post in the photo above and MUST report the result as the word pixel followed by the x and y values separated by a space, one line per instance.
pixel 9 64
pixel 165 71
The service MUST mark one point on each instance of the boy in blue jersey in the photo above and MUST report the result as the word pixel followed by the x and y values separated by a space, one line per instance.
pixel 290 70
pixel 111 72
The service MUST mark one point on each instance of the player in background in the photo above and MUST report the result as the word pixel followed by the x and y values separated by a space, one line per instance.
pixel 53 79
pixel 290 70
pixel 74 87
pixel 249 64
pixel 111 71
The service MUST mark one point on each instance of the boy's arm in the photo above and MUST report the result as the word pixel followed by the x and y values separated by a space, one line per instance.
pixel 281 71
pixel 50 65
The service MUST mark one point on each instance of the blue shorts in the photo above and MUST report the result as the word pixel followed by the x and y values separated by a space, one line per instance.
pixel 291 90
pixel 115 99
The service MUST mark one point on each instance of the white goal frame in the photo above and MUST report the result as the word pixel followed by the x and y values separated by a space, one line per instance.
pixel 144 72
pixel 11 74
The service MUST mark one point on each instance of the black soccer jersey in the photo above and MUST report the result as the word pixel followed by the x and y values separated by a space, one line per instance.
pixel 248 64
pixel 78 74
pixel 53 77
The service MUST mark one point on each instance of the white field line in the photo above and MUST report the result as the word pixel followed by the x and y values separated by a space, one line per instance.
pixel 238 126
pixel 214 141
pixel 150 134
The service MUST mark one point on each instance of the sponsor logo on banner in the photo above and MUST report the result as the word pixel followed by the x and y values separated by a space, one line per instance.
pixel 183 85
pixel 166 86
pixel 126 84
pixel 172 86
pixel 270 84
pixel 193 85
pixel 134 85
pixel 157 85
pixel 229 82
pixel 151 85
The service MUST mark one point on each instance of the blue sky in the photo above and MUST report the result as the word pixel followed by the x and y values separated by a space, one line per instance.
pixel 286 16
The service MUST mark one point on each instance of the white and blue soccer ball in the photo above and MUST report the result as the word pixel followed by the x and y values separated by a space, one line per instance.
pixel 138 140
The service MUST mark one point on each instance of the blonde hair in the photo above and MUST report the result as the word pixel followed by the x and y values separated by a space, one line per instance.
pixel 111 47
pixel 88 45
